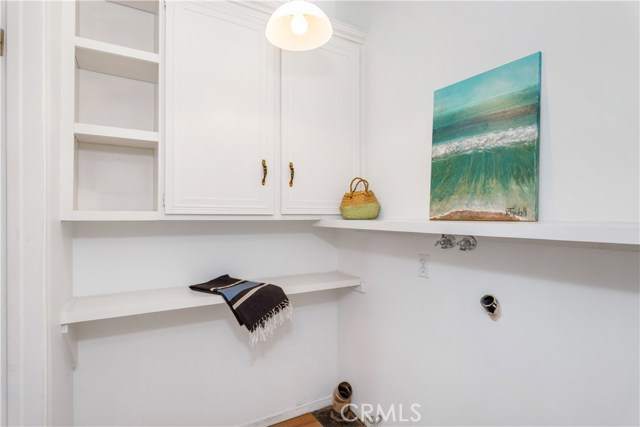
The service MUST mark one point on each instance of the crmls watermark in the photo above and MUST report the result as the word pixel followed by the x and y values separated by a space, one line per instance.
pixel 395 413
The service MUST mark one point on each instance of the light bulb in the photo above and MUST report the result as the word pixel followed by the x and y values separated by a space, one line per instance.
pixel 299 24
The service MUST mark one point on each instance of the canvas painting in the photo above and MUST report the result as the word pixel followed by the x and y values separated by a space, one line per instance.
pixel 484 159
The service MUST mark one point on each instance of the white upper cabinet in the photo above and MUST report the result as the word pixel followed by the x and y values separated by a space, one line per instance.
pixel 233 100
pixel 220 110
pixel 320 126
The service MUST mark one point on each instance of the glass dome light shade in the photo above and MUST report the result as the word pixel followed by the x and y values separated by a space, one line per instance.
pixel 280 31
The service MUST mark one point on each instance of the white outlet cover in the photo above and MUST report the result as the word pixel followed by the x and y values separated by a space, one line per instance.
pixel 423 265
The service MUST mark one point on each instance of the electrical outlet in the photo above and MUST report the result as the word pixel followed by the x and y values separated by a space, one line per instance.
pixel 423 265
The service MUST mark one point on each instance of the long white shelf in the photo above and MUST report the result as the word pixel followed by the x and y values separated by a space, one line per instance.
pixel 85 309
pixel 613 233
pixel 107 58
pixel 95 134
pixel 135 216
pixel 103 216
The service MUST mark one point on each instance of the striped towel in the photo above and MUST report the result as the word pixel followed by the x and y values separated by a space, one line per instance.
pixel 261 307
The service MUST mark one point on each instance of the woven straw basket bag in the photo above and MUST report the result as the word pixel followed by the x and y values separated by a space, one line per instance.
pixel 359 204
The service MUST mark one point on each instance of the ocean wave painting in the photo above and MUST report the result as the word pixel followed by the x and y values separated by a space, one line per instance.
pixel 484 155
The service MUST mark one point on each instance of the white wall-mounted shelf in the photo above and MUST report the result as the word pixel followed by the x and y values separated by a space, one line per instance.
pixel 94 134
pixel 107 58
pixel 110 306
pixel 85 309
pixel 107 216
pixel 134 216
pixel 611 233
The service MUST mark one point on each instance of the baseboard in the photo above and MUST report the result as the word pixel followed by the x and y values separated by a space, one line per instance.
pixel 290 413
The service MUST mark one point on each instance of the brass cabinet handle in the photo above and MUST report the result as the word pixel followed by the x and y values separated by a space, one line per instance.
pixel 264 171
pixel 293 172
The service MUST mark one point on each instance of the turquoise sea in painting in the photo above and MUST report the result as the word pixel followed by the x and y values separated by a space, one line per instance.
pixel 484 159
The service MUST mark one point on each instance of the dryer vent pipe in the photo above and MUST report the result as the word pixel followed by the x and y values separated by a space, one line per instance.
pixel 341 398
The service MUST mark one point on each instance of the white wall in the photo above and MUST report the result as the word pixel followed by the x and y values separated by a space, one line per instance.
pixel 566 351
pixel 589 121
pixel 120 257
pixel 356 13
pixel 38 377
pixel 3 231
pixel 196 367
pixel 27 215
pixel 59 372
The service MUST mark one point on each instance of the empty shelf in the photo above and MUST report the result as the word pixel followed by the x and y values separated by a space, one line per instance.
pixel 611 233
pixel 107 58
pixel 94 134
pixel 114 216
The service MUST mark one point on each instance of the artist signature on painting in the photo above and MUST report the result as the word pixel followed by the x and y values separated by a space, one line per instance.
pixel 517 211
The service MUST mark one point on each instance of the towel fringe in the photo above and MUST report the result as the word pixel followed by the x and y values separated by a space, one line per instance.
pixel 270 322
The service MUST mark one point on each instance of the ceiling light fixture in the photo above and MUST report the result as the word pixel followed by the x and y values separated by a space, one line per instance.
pixel 298 25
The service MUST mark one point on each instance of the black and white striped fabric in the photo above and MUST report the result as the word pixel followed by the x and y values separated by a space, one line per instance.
pixel 261 307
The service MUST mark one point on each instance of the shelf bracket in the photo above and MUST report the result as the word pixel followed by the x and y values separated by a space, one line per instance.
pixel 360 288
pixel 71 342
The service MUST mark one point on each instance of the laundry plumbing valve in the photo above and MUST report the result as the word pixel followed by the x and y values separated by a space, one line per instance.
pixel 448 241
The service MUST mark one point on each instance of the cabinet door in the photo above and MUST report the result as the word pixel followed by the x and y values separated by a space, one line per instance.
pixel 320 126
pixel 219 110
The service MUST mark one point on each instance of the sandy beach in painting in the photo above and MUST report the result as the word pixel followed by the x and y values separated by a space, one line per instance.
pixel 467 215
pixel 485 146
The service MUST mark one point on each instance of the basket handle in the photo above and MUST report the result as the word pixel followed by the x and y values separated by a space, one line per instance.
pixel 357 181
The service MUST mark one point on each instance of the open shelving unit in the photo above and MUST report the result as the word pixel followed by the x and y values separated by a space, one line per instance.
pixel 110 306
pixel 107 58
pixel 113 163
pixel 610 233
pixel 107 135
